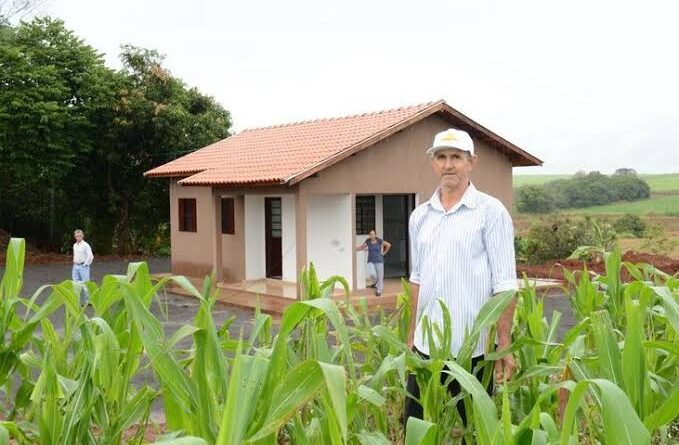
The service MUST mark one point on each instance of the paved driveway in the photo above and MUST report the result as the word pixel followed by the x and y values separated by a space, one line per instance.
pixel 173 310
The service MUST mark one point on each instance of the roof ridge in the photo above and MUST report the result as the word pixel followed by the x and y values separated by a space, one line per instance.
pixel 336 118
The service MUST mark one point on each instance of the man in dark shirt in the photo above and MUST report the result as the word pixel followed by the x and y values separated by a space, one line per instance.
pixel 377 248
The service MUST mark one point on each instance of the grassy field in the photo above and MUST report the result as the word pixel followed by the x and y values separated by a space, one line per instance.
pixel 662 208
pixel 521 180
pixel 663 183
pixel 664 198
pixel 658 183
pixel 658 204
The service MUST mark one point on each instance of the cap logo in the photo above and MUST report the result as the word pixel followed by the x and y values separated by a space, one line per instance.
pixel 449 137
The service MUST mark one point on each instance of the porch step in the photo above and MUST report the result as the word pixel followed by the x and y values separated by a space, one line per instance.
pixel 275 297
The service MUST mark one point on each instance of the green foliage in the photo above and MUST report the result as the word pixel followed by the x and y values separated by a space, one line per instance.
pixel 334 373
pixel 53 85
pixel 631 224
pixel 603 239
pixel 657 242
pixel 558 237
pixel 582 190
pixel 524 247
pixel 78 137
pixel 658 182
pixel 533 199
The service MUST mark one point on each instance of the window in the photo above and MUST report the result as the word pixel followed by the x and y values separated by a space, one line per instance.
pixel 187 215
pixel 365 214
pixel 273 206
pixel 228 220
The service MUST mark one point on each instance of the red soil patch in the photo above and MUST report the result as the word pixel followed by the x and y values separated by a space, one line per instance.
pixel 554 269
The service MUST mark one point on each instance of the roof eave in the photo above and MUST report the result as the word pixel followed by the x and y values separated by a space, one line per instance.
pixel 494 137
pixel 171 174
pixel 210 183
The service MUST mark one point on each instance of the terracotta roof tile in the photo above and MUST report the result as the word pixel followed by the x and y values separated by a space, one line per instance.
pixel 281 153
pixel 275 154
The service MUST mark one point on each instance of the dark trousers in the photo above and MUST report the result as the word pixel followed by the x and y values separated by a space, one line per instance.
pixel 413 407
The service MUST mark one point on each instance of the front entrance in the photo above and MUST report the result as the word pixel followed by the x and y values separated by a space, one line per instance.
pixel 396 212
pixel 273 217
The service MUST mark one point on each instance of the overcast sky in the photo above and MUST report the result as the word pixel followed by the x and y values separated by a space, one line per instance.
pixel 583 85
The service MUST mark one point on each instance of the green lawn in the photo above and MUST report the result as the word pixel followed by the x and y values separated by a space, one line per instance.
pixel 662 205
pixel 520 180
pixel 663 183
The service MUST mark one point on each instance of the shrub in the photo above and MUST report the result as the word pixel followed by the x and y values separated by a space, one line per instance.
pixel 557 237
pixel 631 224
pixel 533 199
pixel 657 241
pixel 156 242
pixel 523 246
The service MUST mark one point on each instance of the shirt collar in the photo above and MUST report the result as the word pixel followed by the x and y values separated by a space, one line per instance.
pixel 468 199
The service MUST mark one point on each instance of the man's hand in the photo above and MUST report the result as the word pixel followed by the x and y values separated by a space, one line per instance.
pixel 504 369
pixel 414 297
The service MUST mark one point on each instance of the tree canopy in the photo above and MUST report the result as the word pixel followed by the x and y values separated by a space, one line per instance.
pixel 582 190
pixel 76 137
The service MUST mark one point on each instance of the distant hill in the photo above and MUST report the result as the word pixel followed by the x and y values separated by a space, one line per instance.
pixel 668 182
pixel 520 180
pixel 664 195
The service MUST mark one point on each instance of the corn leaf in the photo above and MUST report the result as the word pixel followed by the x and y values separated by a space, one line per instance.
pixel 420 432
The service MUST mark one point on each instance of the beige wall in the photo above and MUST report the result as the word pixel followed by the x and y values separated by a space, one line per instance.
pixel 493 173
pixel 192 251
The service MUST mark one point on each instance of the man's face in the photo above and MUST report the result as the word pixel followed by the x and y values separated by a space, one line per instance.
pixel 453 167
pixel 78 237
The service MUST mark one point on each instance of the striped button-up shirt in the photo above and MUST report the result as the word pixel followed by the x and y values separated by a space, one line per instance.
pixel 462 256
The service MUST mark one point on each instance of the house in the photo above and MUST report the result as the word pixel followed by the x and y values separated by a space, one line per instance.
pixel 267 201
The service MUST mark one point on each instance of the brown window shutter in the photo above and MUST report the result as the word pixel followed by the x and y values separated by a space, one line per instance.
pixel 187 215
pixel 228 216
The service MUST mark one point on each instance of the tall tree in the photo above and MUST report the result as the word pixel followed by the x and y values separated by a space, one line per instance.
pixel 50 84
pixel 76 137
pixel 157 118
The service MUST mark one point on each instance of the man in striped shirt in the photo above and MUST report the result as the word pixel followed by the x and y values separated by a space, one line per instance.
pixel 462 243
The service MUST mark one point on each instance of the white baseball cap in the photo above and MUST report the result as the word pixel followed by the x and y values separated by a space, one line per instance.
pixel 452 138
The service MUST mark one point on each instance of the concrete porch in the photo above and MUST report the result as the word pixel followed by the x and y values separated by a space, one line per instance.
pixel 275 296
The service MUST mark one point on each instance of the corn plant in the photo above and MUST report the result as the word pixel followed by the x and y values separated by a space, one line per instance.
pixel 334 373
